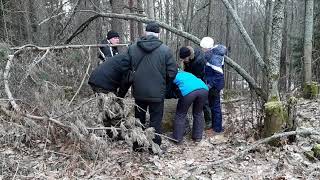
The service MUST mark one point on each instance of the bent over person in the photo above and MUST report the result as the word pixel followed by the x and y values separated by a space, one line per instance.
pixel 193 91
pixel 193 61
pixel 156 69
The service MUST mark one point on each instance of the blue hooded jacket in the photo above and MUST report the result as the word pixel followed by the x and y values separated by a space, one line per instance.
pixel 188 83
pixel 214 67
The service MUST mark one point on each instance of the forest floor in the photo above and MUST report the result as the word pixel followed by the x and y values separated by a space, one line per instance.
pixel 188 160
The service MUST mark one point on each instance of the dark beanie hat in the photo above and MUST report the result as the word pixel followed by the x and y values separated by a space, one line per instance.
pixel 153 27
pixel 184 52
pixel 112 34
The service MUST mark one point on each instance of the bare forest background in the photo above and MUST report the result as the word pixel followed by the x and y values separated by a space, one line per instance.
pixel 46 23
pixel 48 48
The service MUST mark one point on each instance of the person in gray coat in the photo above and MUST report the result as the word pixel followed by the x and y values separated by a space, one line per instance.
pixel 155 72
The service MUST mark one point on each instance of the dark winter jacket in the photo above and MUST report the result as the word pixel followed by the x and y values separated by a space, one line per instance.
pixel 156 70
pixel 196 65
pixel 214 67
pixel 109 75
pixel 106 51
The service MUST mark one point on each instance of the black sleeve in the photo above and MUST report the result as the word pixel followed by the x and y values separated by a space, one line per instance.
pixel 172 91
pixel 106 51
pixel 171 66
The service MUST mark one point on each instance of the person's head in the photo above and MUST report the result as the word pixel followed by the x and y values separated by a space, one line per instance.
pixel 186 54
pixel 153 29
pixel 206 43
pixel 113 37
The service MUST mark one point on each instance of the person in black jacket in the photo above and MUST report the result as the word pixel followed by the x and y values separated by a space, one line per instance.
pixel 156 69
pixel 194 62
pixel 108 77
pixel 107 51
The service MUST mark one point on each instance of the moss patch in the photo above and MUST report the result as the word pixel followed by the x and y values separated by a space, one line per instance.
pixel 316 151
pixel 311 91
pixel 275 118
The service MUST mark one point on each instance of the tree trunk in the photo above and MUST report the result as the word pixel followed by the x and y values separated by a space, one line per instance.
pixel 132 22
pixel 308 32
pixel 168 7
pixel 228 74
pixel 140 11
pixel 150 9
pixel 274 118
pixel 245 35
pixel 284 64
pixel 187 24
pixel 209 30
pixel 116 24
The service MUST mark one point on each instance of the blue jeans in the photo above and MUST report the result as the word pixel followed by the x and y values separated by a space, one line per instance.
pixel 215 106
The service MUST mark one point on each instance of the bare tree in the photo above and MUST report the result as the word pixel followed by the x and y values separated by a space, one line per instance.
pixel 274 109
pixel 117 24
pixel 150 8
pixel 308 32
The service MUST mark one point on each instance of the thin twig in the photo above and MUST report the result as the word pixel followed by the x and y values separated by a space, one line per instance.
pixel 31 66
pixel 49 18
pixel 118 129
pixel 14 176
pixel 263 141
pixel 45 143
pixel 87 101
pixel 83 79
pixel 39 48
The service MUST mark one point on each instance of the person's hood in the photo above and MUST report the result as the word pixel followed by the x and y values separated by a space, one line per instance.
pixel 219 49
pixel 149 43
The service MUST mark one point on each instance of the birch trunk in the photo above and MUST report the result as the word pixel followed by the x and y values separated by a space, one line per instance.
pixel 308 31
pixel 274 118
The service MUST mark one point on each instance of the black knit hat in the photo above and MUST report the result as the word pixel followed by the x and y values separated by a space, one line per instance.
pixel 112 34
pixel 153 27
pixel 184 52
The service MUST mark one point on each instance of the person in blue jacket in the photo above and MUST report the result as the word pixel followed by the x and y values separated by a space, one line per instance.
pixel 214 78
pixel 192 91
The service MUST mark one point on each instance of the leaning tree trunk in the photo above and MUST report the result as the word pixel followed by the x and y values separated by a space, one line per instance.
pixel 274 118
pixel 310 90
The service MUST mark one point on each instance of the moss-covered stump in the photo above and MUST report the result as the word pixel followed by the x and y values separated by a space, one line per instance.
pixel 311 90
pixel 168 114
pixel 291 117
pixel 274 119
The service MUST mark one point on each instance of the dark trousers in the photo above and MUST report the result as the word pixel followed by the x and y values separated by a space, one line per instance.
pixel 198 98
pixel 215 106
pixel 207 115
pixel 156 114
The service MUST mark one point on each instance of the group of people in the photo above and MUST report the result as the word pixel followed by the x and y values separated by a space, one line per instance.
pixel 197 80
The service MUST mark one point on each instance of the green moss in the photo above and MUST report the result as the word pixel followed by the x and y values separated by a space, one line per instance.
pixel 293 100
pixel 311 90
pixel 274 119
pixel 316 150
pixel 274 99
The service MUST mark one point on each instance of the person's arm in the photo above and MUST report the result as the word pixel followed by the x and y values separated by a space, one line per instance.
pixel 171 66
pixel 106 50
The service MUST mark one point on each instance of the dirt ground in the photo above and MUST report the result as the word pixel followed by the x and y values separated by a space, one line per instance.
pixel 188 160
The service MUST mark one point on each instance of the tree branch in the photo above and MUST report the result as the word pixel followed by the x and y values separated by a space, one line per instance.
pixel 266 140
pixel 245 35
pixel 252 83
pixel 83 79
